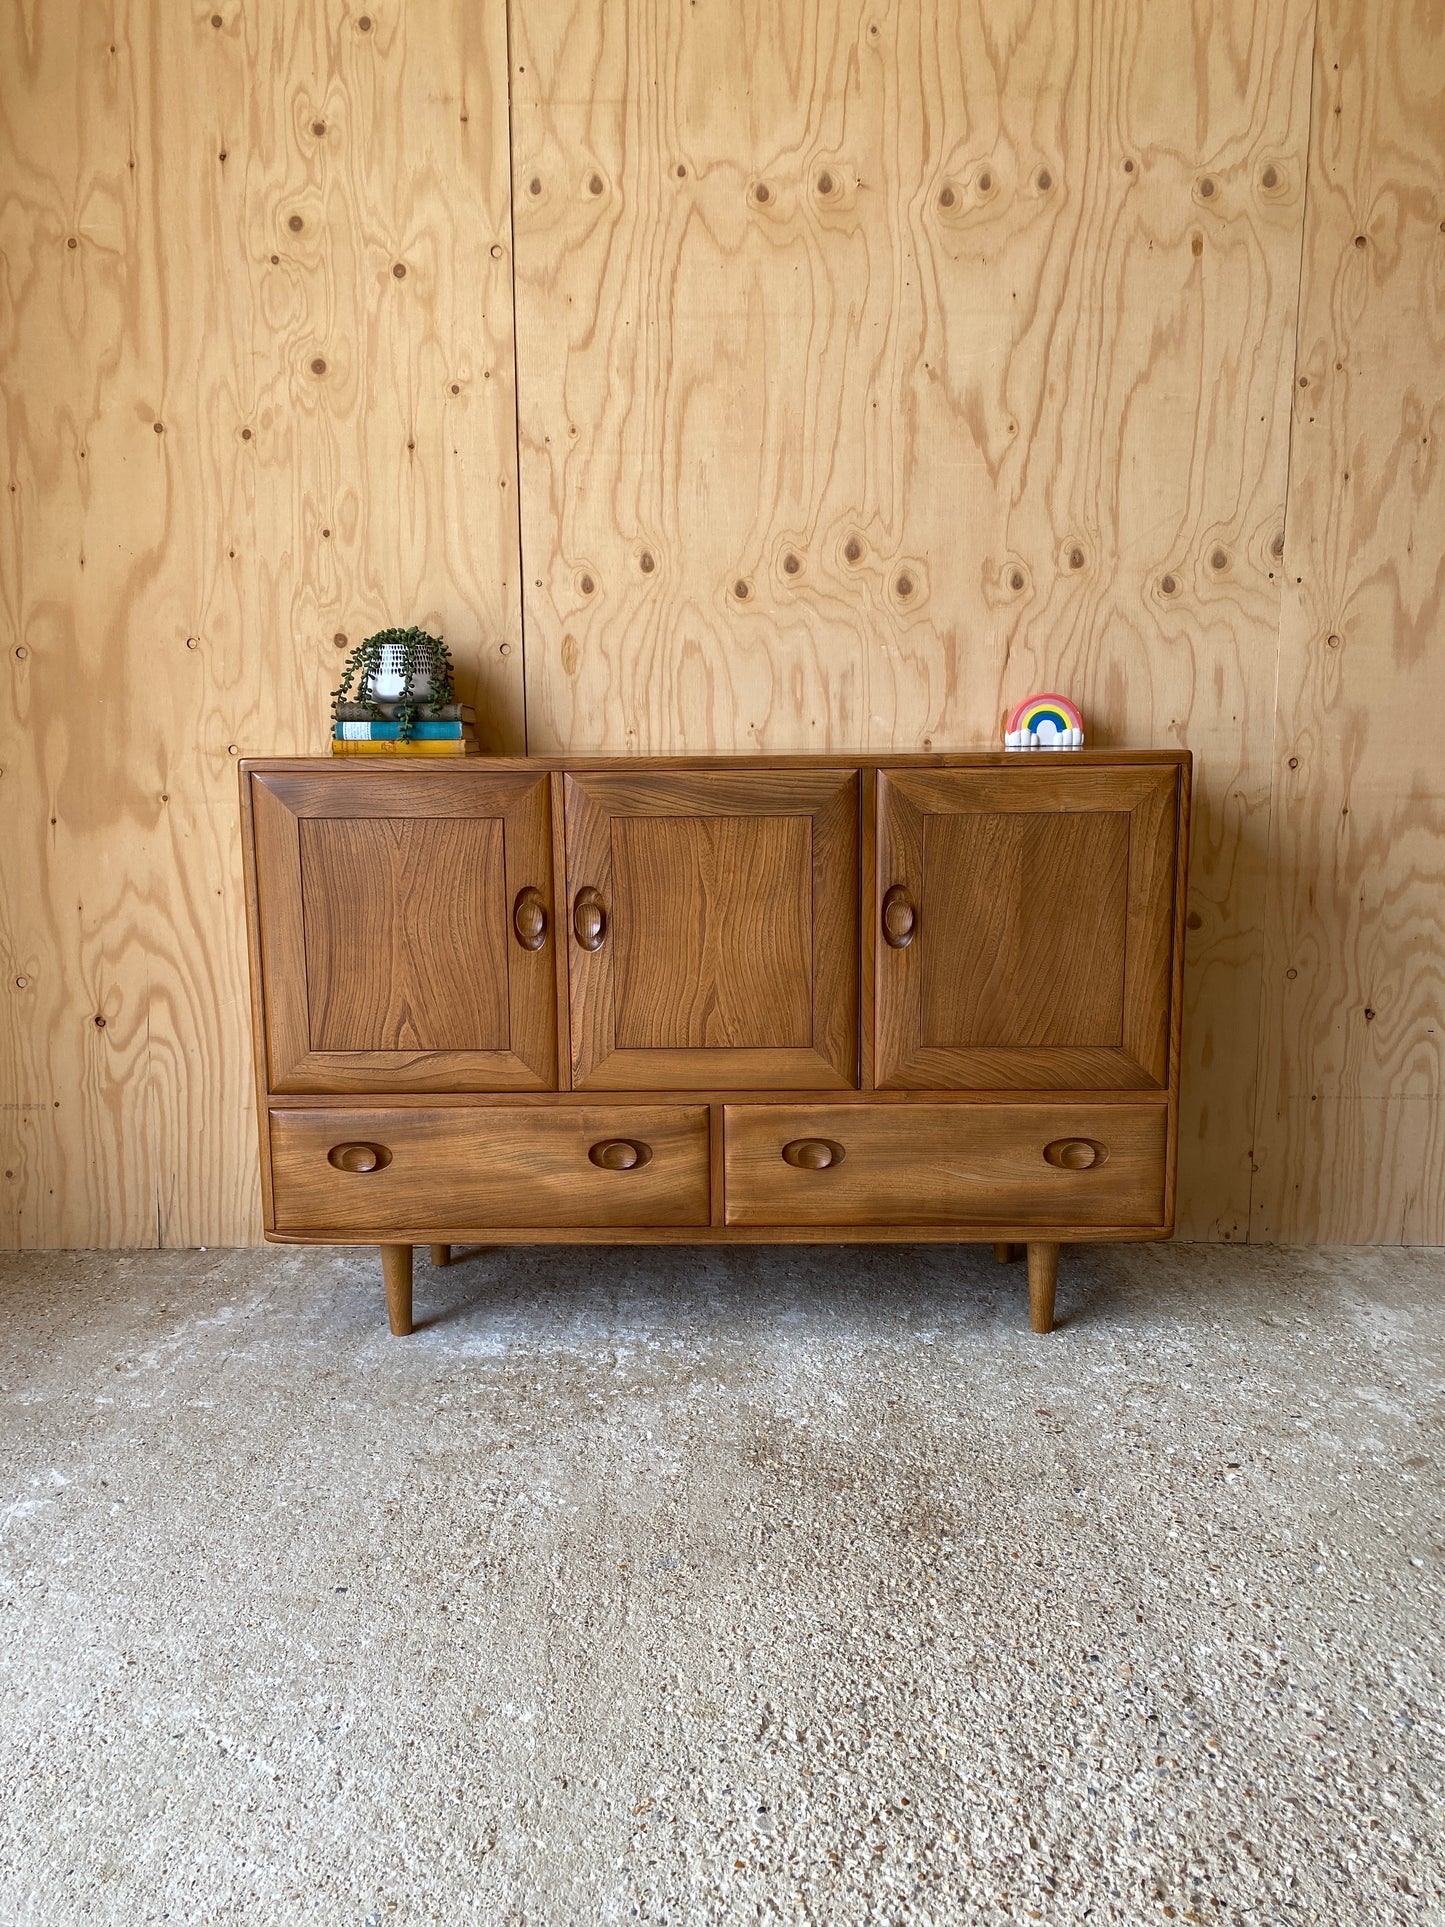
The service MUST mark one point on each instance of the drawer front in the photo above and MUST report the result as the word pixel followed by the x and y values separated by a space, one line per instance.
pixel 945 1164
pixel 363 1171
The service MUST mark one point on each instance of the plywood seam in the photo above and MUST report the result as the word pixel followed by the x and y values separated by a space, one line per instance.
pixel 516 380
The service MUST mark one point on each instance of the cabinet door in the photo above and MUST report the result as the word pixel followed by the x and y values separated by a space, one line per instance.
pixel 1023 927
pixel 713 929
pixel 407 931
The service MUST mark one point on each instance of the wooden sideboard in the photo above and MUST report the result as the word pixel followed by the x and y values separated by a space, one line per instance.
pixel 765 999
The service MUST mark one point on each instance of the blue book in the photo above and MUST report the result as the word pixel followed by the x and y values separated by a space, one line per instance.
pixel 421 732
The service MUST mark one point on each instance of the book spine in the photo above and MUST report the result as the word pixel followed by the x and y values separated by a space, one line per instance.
pixel 372 732
pixel 464 746
pixel 355 712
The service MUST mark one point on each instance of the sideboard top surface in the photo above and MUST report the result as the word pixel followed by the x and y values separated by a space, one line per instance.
pixel 1050 760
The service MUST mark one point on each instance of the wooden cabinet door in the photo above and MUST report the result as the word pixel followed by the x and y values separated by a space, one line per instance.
pixel 713 929
pixel 1023 927
pixel 407 930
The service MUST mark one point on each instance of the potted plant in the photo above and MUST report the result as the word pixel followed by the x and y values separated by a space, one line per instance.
pixel 400 668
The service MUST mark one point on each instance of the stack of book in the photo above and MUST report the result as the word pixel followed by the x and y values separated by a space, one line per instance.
pixel 438 729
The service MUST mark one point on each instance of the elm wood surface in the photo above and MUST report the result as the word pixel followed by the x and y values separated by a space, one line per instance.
pixel 1038 952
pixel 390 905
pixel 935 1165
pixel 413 775
pixel 485 1168
pixel 553 1100
pixel 391 956
pixel 1043 1277
pixel 704 857
pixel 717 952
pixel 708 1234
pixel 1007 893
pixel 713 927
pixel 396 1260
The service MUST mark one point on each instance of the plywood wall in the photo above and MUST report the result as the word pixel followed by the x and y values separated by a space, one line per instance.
pixel 875 365
pixel 1352 1100
pixel 880 365
pixel 256 343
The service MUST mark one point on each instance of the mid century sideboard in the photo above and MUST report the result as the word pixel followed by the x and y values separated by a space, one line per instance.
pixel 513 1000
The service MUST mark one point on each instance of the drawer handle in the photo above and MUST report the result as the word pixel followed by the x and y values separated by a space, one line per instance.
pixel 589 918
pixel 529 918
pixel 1076 1153
pixel 900 919
pixel 620 1154
pixel 813 1153
pixel 359 1158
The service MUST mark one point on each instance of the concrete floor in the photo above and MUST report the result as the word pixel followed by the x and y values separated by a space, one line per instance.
pixel 722 1586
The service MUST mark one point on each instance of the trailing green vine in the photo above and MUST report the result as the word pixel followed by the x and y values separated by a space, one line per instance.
pixel 421 654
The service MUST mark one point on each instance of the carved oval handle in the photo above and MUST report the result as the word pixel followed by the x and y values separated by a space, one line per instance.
pixel 620 1154
pixel 813 1153
pixel 1075 1153
pixel 358 1158
pixel 529 918
pixel 589 918
pixel 900 919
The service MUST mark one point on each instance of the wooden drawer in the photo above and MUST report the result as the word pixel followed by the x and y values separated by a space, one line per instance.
pixel 945 1164
pixel 367 1172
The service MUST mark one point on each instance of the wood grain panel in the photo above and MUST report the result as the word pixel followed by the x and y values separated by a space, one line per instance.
pixel 370 953
pixel 804 901
pixel 1351 1136
pixel 1053 974
pixel 406 934
pixel 477 1167
pixel 714 932
pixel 880 365
pixel 934 1164
pixel 256 383
pixel 1026 921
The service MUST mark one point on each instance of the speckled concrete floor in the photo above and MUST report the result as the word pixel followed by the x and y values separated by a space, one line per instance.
pixel 721 1586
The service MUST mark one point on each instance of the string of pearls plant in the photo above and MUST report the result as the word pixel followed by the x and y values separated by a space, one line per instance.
pixel 401 667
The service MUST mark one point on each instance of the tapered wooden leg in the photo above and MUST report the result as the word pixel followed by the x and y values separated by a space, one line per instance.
pixel 1043 1276
pixel 396 1270
pixel 1005 1254
pixel 441 1255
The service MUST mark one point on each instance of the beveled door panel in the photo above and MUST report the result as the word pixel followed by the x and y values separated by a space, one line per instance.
pixel 712 931
pixel 739 890
pixel 407 930
pixel 1023 925
pixel 391 906
pixel 1027 892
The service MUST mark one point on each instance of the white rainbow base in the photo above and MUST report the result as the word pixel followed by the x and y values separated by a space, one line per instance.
pixel 1046 737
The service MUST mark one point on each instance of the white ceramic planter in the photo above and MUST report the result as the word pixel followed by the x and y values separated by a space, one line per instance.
pixel 386 685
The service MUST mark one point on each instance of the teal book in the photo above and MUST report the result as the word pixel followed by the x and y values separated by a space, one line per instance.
pixel 425 731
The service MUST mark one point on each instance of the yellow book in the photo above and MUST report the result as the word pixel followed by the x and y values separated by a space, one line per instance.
pixel 466 745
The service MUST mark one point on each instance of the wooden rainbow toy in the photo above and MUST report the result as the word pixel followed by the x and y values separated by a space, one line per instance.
pixel 1044 722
